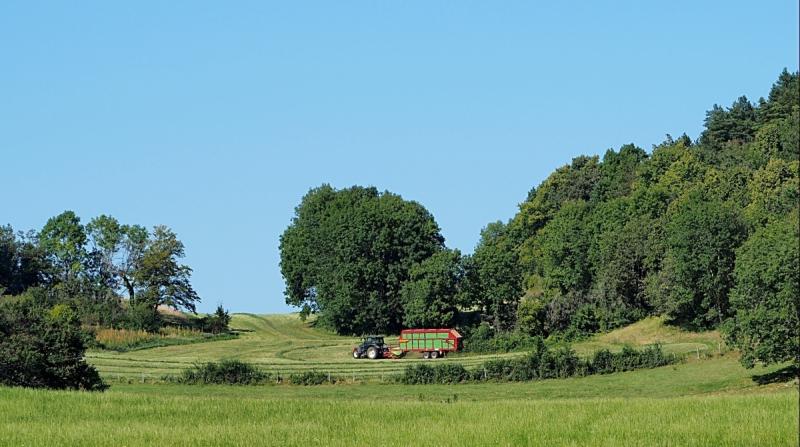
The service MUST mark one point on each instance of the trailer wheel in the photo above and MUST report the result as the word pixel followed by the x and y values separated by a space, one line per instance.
pixel 434 354
pixel 426 355
pixel 372 352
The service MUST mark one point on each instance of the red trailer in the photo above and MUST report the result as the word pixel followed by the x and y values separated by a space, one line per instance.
pixel 432 343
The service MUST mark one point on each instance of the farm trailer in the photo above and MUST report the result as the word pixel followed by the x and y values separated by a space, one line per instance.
pixel 432 343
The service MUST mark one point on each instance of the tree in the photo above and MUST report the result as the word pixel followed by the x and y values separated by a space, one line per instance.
pixel 43 348
pixel 120 249
pixel 63 239
pixel 22 263
pixel 765 325
pixel 701 238
pixel 164 281
pixel 217 322
pixel 430 296
pixel 772 192
pixel 494 276
pixel 564 249
pixel 736 124
pixel 618 172
pixel 348 252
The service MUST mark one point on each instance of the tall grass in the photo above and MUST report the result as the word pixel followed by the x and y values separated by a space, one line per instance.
pixel 128 339
pixel 31 417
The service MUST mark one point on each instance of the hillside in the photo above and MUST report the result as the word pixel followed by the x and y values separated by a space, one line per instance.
pixel 285 344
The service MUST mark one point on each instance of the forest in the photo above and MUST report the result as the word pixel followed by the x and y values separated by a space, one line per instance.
pixel 703 232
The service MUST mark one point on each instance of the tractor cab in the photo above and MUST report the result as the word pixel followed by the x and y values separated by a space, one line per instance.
pixel 372 347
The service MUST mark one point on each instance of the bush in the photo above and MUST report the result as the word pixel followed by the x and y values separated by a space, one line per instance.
pixel 484 339
pixel 450 373
pixel 606 362
pixel 311 378
pixel 445 373
pixel 44 347
pixel 418 374
pixel 143 316
pixel 226 372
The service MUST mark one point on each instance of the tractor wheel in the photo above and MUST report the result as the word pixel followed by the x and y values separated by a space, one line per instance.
pixel 426 355
pixel 372 352
pixel 355 355
pixel 434 354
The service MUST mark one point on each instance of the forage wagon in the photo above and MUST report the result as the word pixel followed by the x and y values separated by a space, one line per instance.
pixel 432 343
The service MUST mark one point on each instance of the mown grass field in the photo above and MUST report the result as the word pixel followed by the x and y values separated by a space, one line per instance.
pixel 282 344
pixel 711 401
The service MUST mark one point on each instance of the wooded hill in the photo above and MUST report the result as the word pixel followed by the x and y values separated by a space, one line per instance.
pixel 702 231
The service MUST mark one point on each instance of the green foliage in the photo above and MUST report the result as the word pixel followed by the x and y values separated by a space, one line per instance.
pixel 43 348
pixel 443 373
pixel 311 378
pixel 430 296
pixel 485 339
pixel 702 235
pixel 64 239
pixel 225 372
pixel 347 254
pixel 22 262
pixel 539 364
pixel 165 282
pixel 765 324
pixel 494 276
pixel 217 322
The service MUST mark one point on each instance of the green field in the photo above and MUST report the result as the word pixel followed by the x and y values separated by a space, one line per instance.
pixel 283 344
pixel 709 401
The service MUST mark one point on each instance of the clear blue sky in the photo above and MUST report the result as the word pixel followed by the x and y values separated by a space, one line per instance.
pixel 215 118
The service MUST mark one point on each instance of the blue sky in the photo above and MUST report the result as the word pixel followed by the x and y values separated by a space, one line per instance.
pixel 215 118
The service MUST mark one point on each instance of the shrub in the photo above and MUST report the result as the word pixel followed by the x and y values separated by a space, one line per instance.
pixel 450 373
pixel 226 372
pixel 311 378
pixel 418 374
pixel 44 347
pixel 485 339
pixel 444 373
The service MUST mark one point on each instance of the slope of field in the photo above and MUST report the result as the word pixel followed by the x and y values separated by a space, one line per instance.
pixel 284 344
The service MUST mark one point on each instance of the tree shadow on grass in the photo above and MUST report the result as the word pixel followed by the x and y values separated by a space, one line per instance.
pixel 782 375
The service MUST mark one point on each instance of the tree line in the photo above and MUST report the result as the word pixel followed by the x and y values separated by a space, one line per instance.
pixel 110 274
pixel 703 232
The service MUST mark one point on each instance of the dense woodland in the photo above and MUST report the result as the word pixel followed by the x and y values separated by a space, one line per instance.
pixel 704 232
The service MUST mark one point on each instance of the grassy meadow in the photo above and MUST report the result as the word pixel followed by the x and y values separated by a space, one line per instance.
pixel 710 401
pixel 282 344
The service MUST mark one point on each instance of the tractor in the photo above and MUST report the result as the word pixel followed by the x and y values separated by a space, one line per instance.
pixel 372 347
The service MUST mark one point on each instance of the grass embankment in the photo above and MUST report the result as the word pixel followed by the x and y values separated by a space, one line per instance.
pixel 283 345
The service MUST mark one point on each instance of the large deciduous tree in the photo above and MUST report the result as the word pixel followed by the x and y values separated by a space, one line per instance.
pixel 163 279
pixel 494 275
pixel 702 235
pixel 348 252
pixel 765 324
pixel 430 296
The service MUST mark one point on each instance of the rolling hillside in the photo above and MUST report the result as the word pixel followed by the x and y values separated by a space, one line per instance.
pixel 284 344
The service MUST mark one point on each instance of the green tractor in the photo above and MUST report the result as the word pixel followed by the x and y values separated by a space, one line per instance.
pixel 371 347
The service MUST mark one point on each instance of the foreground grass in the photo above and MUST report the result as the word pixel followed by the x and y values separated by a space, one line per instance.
pixel 130 417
